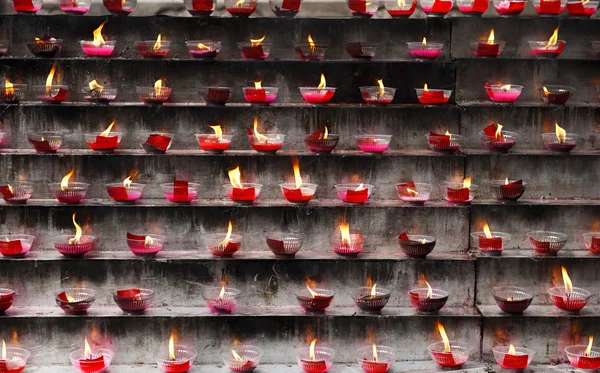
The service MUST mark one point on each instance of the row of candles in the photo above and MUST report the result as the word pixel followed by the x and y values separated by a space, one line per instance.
pixel 260 49
pixel 359 8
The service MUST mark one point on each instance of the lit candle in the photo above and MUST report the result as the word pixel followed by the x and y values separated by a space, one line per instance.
pixel 315 359
pixel 583 357
pixel 257 49
pixel 347 244
pixel 13 359
pixel 157 143
pixel 427 300
pixel 318 95
pixel 378 94
pixel 75 246
pixel 27 6
pixel 99 94
pixel 221 299
pixel 125 192
pixel 559 140
pixel 241 8
pixel 353 192
pixel 569 298
pixel 298 192
pixel 98 47
pixel 490 243
pixel 69 192
pixel 105 141
pixel 374 363
pixel 153 49
pixel 513 359
pixel 552 48
pixel 430 96
pixel 75 300
pixel 548 7
pixel 310 51
pixel 156 95
pixel 240 364
pixel 503 92
pixel 415 245
pixel 120 7
pixel 241 192
pixel 52 93
pixel 313 299
pixel 321 142
pixel 222 244
pixel 489 48
pixel 203 49
pixel 145 245
pixel 445 143
pixel 459 192
pixel 92 361
pixel 509 8
pixel 447 354
pixel 508 190
pixel 15 245
pixel 370 298
pixel 265 143
pixel 259 95
pixel 582 8
pixel 216 143
pixel 401 8
pixel 496 140
pixel 179 359
pixel 555 94
pixel 512 299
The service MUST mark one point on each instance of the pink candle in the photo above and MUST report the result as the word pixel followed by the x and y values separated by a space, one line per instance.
pixel 97 51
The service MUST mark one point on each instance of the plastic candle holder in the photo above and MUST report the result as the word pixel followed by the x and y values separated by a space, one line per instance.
pixel 386 356
pixel 133 300
pixel 549 7
pixel 485 49
pixel 317 303
pixel 580 8
pixel 376 95
pixel 500 144
pixel 573 301
pixel 509 8
pixel 539 49
pixel 591 240
pixel 267 142
pixel 458 355
pixel 399 9
pixel 211 143
pixel 247 194
pixel 547 243
pixel 75 7
pixel 433 96
pixel 244 9
pixel 203 49
pixel 260 96
pixel 250 358
pixel 73 193
pixel 102 96
pixel 552 143
pixel 435 8
pixel 284 244
pixel 147 49
pixel 91 49
pixel 414 193
pixel 492 246
pixel 63 245
pixel 153 96
pixel 3 47
pixel 296 195
pixel 373 143
pixel 218 96
pixel 363 8
pixel 118 192
pixel 100 143
pixel 55 94
pixel 427 51
pixel 218 245
pixel 200 8
pixel 75 300
pixel 98 362
pixel 557 94
pixel 472 7
pixel 140 245
pixel 308 52
pixel 366 302
pixel 221 304
pixel 578 358
pixel 251 51
pixel 16 360
pixel 6 299
pixel 20 193
pixel 317 143
pixel 504 92
pixel 349 249
pixel 120 7
pixel 285 8
pixel 45 142
pixel 315 95
pixel 518 361
pixel 359 50
pixel 455 192
pixel 15 245
pixel 184 358
pixel 428 304
pixel 45 48
pixel 323 359
pixel 510 192
pixel 184 193
pixel 27 6
pixel 512 299
pixel 350 193
pixel 416 245
pixel 444 143
pixel 157 142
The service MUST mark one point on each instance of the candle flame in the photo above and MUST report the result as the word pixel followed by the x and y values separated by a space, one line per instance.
pixel 491 37
pixel 442 331
pixel 8 87
pixel 429 289
pixel 94 86
pixel 312 293
pixel 360 187
pixel 49 79
pixel 158 86
pixel 345 233
pixel 257 42
pixel 70 298
pixel 326 134
pixel 258 85
pixel 64 184
pixel 297 176
pixel 311 350
pixel 201 46
pixel 235 177
pixel 311 43
pixel 98 39
pixel 486 231
pixel 218 132
pixel 374 352
pixel 374 291
pixel 225 241
pixel 506 181
pixel 259 137
pixel 127 182
pixel 448 134
pixel 87 351
pixel 381 87
pixel 425 88
pixel 424 42
pixel 401 3
pixel 506 87
pixel 106 132
pixel 10 188
pixel 511 350
pixel 498 131
pixel 239 3
pixel 588 350
pixel 323 82
pixel 222 292
pixel 553 40
pixel 546 93
pixel 561 134
pixel 77 238
pixel 467 183
pixel 172 348
pixel 3 350
pixel 148 241
pixel 158 45
pixel 412 191
pixel 567 281
pixel 236 356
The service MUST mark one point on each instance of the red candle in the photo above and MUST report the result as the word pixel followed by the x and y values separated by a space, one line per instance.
pixel 512 190
pixel 118 7
pixel 515 362
pixel 214 142
pixel 553 7
pixel 180 191
pixel 26 6
pixel 475 6
pixel 157 143
pixel 459 195
pixel 405 11
pixel 578 9
pixel 510 8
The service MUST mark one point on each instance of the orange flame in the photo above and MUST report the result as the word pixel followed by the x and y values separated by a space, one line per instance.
pixel 297 176
pixel 106 132
pixel 259 137
pixel 486 231
pixel 442 331
pixel 511 350
pixel 49 79
pixel 158 86
pixel 546 93
pixel 491 37
pixel 172 348
pixel 567 281
pixel 218 132
pixel 374 291
pixel 64 184
pixel 235 177
pixel 94 86
pixel 345 232
pixel 374 352
pixel 98 39
pixel 8 87
pixel 561 134
pixel 225 241
pixel 87 351
pixel 588 350
pixel 323 82
pixel 467 183
pixel 257 42
pixel 553 40
pixel 311 350
pixel 78 232
pixel 236 356
pixel 498 131
pixel 158 45
pixel 424 42
pixel 311 43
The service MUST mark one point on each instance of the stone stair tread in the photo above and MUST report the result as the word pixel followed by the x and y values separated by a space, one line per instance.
pixel 530 254
pixel 538 311
pixel 241 311
pixel 528 152
pixel 540 202
pixel 487 103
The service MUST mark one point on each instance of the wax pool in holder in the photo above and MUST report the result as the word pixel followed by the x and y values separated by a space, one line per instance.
pixel 180 191
pixel 560 141
pixel 318 95
pixel 51 93
pixel 75 300
pixel 156 95
pixel 145 245
pixel 472 7
pixel 582 8
pixel 425 50
pixel 373 143
pixel 488 48
pixel 120 7
pixel 98 47
pixel 591 240
pixel 547 49
pixel 370 298
pixel 457 192
pixel 200 8
pixel 214 143
pixel 45 142
pixel 15 245
pixel 508 190
pixel 223 244
pixel 490 243
pixel 76 7
pixel 203 49
pixel 157 142
pixel 353 192
pixel 6 299
pixel 360 50
pixel 13 359
pixel 444 143
pixel 509 8
pixel 549 7
pixel 12 93
pixel 436 7
pixel 16 192
pixel 376 358
pixel 449 354
pixel 363 8
pixel 547 243
pixel 569 298
pixel 315 359
pixel 99 94
pixel 321 142
pixel 221 299
pixel 310 51
pixel 259 95
pixel 414 193
pixel 158 48
pixel 88 361
pixel 284 244
pixel 557 94
pixel 313 299
pixel 133 300
pixel 105 141
pixel 46 46
pixel 242 358
pixel 125 191
pixel 400 8
pixel 503 92
pixel 512 299
pixel 345 243
pixel 241 192
pixel 215 95
pixel 584 357
pixel 241 8
pixel 27 6
pixel 298 192
pixel 69 192
pixel 285 8
pixel 496 140
pixel 74 246
pixel 264 143
pixel 427 300
pixel 433 96
pixel 416 245
pixel 256 49
pixel 513 358
pixel 177 358
pixel 377 94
